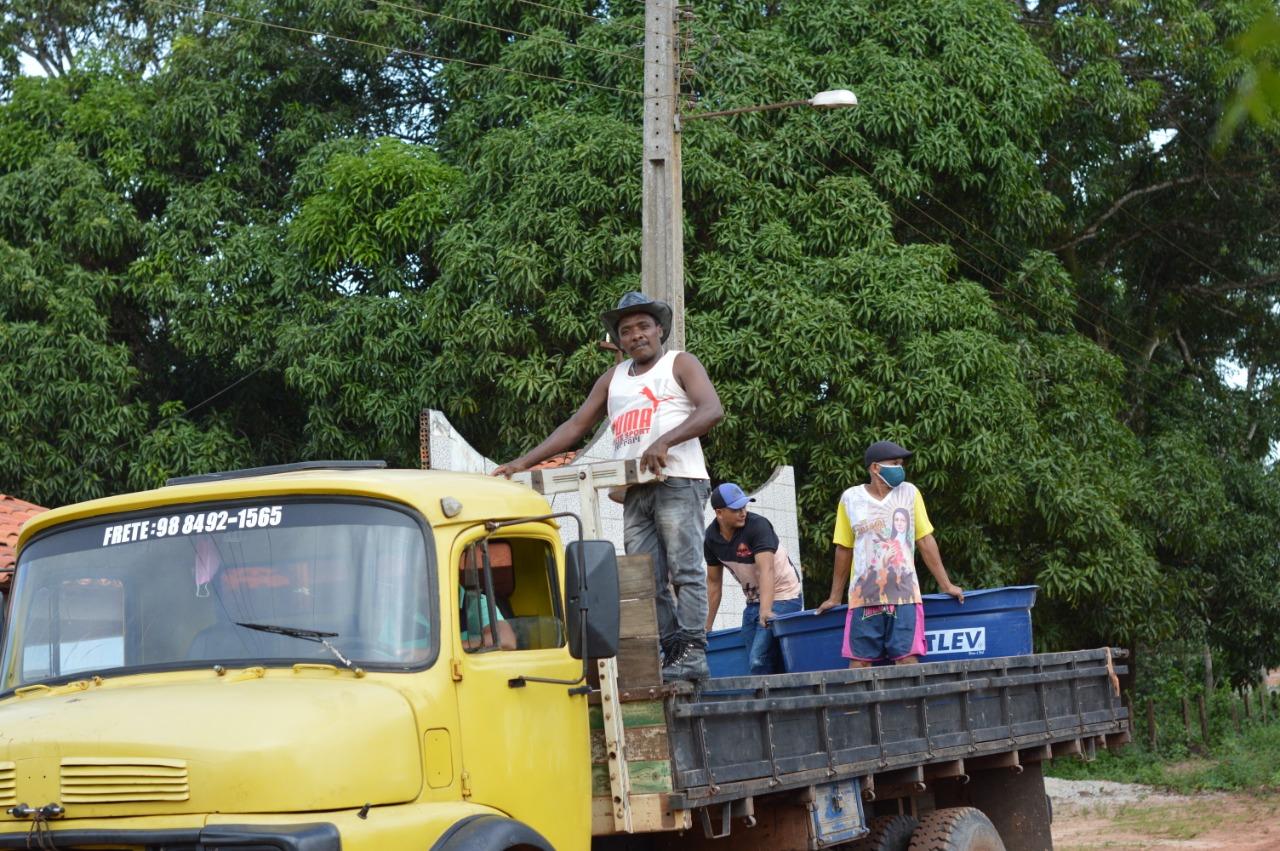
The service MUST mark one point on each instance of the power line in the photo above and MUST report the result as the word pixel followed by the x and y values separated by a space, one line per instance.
pixel 1143 366
pixel 389 48
pixel 233 385
pixel 870 175
pixel 576 13
pixel 1122 323
pixel 188 411
pixel 1205 299
pixel 423 54
pixel 533 36
pixel 1175 246
pixel 955 234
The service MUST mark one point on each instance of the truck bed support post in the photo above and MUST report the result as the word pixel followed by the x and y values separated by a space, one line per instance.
pixel 1016 805
pixel 615 743
pixel 587 480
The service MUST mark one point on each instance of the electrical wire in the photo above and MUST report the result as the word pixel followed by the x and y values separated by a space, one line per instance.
pixel 1226 279
pixel 405 50
pixel 952 233
pixel 574 12
pixel 1103 312
pixel 1103 333
pixel 1143 364
pixel 533 36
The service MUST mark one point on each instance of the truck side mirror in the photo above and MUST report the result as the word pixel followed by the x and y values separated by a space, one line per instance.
pixel 591 599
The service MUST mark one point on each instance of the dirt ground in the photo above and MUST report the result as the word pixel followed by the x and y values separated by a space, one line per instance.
pixel 1089 815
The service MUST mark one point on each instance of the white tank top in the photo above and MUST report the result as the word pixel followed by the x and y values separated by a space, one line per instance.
pixel 642 408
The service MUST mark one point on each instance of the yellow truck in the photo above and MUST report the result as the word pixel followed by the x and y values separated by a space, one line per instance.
pixel 334 655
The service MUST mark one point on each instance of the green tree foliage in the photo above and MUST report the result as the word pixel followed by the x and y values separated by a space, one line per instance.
pixel 260 232
pixel 1257 94
pixel 1172 247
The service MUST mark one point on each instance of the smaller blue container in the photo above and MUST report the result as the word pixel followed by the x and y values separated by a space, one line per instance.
pixel 811 641
pixel 992 622
pixel 726 655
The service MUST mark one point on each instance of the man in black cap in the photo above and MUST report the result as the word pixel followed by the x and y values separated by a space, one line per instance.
pixel 658 404
pixel 879 526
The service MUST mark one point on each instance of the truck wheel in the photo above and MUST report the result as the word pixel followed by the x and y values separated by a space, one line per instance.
pixel 956 829
pixel 888 833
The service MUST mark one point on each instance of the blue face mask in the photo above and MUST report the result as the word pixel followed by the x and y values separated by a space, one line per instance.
pixel 893 476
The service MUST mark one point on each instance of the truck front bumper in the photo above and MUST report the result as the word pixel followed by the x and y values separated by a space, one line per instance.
pixel 318 836
pixel 397 827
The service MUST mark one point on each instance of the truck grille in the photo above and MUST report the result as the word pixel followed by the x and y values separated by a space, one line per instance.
pixel 122 780
pixel 8 793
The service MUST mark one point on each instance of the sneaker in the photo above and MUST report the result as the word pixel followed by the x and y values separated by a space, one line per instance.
pixel 689 664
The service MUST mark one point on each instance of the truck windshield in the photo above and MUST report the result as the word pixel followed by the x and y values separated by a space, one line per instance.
pixel 171 589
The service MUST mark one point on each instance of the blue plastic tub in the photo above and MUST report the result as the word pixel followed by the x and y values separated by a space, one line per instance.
pixel 726 655
pixel 992 622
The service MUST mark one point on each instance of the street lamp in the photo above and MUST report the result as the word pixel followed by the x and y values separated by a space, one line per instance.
pixel 662 222
pixel 830 99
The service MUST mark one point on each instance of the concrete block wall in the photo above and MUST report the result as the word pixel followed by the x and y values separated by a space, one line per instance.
pixel 775 500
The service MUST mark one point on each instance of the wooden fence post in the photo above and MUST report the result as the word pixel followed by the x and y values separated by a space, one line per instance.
pixel 1151 724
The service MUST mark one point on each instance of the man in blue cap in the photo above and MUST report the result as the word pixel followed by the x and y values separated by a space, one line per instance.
pixel 659 404
pixel 746 544
pixel 879 527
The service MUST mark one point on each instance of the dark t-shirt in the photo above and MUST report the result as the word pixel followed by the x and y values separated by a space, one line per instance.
pixel 738 554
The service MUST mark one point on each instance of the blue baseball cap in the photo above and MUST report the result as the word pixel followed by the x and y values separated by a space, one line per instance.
pixel 729 495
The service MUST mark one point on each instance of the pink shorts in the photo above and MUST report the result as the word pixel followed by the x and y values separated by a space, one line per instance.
pixel 872 633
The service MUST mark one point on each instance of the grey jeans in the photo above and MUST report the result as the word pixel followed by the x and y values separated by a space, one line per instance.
pixel 665 520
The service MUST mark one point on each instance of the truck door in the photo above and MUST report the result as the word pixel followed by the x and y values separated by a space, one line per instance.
pixel 525 745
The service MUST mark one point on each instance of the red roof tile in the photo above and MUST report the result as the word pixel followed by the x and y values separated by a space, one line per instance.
pixel 13 513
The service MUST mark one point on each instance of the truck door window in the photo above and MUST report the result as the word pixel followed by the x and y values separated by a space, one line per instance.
pixel 525 604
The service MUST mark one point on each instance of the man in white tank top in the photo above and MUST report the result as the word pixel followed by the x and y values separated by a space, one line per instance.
pixel 658 404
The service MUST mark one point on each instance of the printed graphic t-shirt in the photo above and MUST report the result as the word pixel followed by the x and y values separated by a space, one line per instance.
pixel 738 554
pixel 882 535
pixel 644 407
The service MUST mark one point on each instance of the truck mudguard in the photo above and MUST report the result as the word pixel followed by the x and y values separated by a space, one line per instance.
pixel 490 833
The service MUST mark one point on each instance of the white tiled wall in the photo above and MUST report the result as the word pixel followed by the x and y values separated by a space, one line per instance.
pixel 775 500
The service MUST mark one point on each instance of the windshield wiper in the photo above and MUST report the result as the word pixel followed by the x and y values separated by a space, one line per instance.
pixel 306 635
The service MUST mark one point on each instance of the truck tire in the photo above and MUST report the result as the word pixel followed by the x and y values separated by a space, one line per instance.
pixel 956 829
pixel 888 833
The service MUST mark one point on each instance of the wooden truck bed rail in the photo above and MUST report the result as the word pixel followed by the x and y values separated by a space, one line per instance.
pixel 740 736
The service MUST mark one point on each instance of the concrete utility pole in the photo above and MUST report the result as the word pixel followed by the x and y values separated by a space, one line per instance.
pixel 662 220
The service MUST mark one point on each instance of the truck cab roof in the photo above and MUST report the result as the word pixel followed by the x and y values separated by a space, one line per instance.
pixel 481 497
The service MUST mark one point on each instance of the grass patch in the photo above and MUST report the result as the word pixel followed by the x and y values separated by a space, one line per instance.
pixel 1172 822
pixel 1249 761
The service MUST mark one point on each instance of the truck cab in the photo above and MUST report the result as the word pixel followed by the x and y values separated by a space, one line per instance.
pixel 307 658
